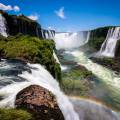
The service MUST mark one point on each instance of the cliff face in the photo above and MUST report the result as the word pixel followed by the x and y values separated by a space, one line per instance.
pixel 97 37
pixel 21 24
pixel 117 52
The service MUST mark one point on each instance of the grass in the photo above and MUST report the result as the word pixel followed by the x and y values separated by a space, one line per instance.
pixel 14 114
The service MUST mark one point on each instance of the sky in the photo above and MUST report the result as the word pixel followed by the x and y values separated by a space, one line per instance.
pixel 67 15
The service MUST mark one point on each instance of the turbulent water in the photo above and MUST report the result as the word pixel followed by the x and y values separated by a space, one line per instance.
pixel 71 40
pixel 16 75
pixel 3 30
pixel 13 79
pixel 109 45
pixel 108 91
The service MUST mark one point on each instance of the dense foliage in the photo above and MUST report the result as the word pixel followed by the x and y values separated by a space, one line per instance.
pixel 14 114
pixel 31 49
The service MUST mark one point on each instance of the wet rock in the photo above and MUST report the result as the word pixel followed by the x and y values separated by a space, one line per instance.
pixel 40 102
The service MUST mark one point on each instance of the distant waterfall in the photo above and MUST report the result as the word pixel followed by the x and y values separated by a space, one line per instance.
pixel 71 40
pixel 48 34
pixel 3 26
pixel 109 45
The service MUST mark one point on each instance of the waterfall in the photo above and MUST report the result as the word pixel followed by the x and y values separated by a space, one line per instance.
pixel 37 76
pixel 42 31
pixel 50 34
pixel 71 40
pixel 3 30
pixel 47 34
pixel 55 57
pixel 109 45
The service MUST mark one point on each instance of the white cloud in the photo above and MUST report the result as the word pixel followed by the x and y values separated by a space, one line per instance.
pixel 60 13
pixel 16 8
pixel 34 16
pixel 9 7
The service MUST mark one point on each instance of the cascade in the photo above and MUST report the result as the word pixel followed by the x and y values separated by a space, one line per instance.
pixel 11 85
pixel 55 57
pixel 71 40
pixel 3 26
pixel 47 34
pixel 42 31
pixel 109 45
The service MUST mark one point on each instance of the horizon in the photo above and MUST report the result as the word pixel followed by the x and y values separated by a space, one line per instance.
pixel 63 16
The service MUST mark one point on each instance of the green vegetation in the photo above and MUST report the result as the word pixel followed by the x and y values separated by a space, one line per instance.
pixel 14 114
pixel 75 82
pixel 31 49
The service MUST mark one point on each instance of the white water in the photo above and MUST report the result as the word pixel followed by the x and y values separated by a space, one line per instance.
pixel 109 45
pixel 3 26
pixel 42 77
pixel 71 40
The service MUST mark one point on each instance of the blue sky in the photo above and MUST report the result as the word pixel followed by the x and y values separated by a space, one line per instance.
pixel 67 15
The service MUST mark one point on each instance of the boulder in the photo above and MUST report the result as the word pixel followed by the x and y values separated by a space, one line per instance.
pixel 40 102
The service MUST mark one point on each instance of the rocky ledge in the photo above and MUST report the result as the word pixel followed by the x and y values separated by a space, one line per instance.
pixel 40 102
pixel 110 63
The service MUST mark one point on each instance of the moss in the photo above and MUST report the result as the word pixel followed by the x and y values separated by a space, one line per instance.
pixel 31 49
pixel 14 114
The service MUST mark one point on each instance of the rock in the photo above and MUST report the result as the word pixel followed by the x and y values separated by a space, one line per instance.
pixel 40 102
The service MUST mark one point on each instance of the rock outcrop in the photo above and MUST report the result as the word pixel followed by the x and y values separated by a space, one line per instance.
pixel 40 102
